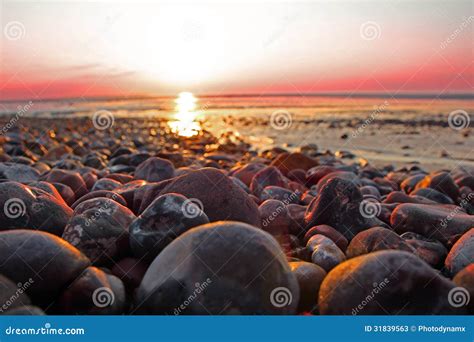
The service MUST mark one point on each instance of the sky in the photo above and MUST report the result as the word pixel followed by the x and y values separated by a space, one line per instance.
pixel 54 49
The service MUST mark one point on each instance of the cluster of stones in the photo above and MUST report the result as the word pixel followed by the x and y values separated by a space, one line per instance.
pixel 206 225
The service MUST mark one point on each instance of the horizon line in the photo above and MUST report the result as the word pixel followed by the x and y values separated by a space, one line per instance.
pixel 462 95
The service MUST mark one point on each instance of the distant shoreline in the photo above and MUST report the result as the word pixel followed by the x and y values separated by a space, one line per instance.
pixel 428 96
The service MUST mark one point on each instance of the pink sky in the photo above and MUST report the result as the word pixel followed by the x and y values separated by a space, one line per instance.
pixel 60 49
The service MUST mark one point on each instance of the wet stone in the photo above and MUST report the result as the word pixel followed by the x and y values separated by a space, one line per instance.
pixel 166 218
pixel 212 272
pixel 385 283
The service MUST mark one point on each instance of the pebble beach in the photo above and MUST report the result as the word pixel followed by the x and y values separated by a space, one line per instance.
pixel 112 215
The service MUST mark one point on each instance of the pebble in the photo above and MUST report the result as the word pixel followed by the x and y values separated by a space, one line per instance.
pixel 386 283
pixel 339 205
pixel 324 252
pixel 376 239
pixel 99 229
pixel 155 170
pixel 431 221
pixel 461 254
pixel 212 272
pixel 31 208
pixel 221 199
pixel 48 260
pixel 310 277
pixel 166 218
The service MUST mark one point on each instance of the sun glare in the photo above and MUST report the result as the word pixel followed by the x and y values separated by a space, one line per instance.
pixel 185 124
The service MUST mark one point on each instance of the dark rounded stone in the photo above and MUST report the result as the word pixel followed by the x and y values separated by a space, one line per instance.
pixel 435 222
pixel 89 294
pixel 31 208
pixel 221 199
pixel 339 205
pixel 344 175
pixel 310 277
pixel 66 192
pixel 100 193
pixel 247 172
pixel 409 183
pixel 376 239
pixel 25 310
pixel 287 162
pixel 48 260
pixel 387 283
pixel 166 218
pixel 266 177
pixel 13 295
pixel 275 217
pixel 465 280
pixel 441 182
pixel 433 195
pixel 401 197
pixel 70 178
pixel 18 172
pixel 431 251
pixel 212 273
pixel 106 184
pixel 155 170
pixel 461 254
pixel 324 252
pixel 329 232
pixel 314 174
pixel 50 189
pixel 280 194
pixel 99 229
